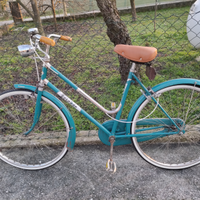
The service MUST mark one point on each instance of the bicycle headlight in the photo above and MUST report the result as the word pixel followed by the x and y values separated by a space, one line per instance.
pixel 26 50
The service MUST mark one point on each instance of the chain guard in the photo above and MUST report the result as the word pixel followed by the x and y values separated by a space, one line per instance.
pixel 120 128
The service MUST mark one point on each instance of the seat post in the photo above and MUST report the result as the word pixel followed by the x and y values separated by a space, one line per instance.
pixel 133 68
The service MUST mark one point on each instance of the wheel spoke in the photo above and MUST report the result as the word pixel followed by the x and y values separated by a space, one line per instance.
pixel 177 151
pixel 42 147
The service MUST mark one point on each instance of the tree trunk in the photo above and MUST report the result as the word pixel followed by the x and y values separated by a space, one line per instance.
pixel 40 6
pixel 156 5
pixel 54 15
pixel 116 31
pixel 37 19
pixel 25 8
pixel 64 8
pixel 16 12
pixel 3 6
pixel 133 10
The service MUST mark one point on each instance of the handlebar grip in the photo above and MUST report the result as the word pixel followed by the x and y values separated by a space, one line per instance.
pixel 66 38
pixel 47 41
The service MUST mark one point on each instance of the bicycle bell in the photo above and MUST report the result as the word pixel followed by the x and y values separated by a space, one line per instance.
pixel 26 50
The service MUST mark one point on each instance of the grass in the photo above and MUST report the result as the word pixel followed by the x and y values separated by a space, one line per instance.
pixel 90 62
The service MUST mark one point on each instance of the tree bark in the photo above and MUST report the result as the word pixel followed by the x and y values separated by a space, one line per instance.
pixel 25 8
pixel 64 8
pixel 16 12
pixel 156 5
pixel 133 10
pixel 116 31
pixel 54 15
pixel 3 5
pixel 37 19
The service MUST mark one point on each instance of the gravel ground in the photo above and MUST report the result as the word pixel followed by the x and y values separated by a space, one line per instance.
pixel 81 174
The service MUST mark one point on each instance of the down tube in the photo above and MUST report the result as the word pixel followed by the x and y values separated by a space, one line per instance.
pixel 74 105
pixel 95 122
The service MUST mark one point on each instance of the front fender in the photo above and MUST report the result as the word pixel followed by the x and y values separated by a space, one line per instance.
pixel 141 99
pixel 72 132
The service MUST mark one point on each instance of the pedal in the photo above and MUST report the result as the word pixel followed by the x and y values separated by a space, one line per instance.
pixel 111 166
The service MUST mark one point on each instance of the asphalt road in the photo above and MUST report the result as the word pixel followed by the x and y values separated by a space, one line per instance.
pixel 81 174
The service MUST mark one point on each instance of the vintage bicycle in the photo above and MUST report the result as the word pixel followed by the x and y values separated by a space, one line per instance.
pixel 163 125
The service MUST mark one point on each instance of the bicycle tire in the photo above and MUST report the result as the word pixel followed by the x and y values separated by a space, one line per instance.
pixel 45 145
pixel 178 151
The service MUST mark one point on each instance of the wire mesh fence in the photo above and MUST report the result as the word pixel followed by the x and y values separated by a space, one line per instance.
pixel 70 7
pixel 90 62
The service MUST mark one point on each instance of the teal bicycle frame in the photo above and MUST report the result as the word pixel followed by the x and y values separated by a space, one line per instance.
pixel 122 137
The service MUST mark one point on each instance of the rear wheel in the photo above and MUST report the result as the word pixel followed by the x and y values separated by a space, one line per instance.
pixel 178 151
pixel 42 147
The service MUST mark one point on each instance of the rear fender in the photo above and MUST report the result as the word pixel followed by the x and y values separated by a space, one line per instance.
pixel 142 98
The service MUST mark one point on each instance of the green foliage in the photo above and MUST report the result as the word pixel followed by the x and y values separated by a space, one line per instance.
pixel 89 61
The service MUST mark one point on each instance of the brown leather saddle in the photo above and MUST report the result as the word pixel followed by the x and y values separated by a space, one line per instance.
pixel 139 54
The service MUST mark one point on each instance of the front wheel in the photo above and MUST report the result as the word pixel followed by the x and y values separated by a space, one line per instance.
pixel 178 151
pixel 42 147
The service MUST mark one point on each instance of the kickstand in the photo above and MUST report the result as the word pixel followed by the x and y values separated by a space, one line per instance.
pixel 110 165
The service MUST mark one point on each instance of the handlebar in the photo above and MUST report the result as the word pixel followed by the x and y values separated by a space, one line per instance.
pixel 46 40
pixel 66 38
pixel 49 41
